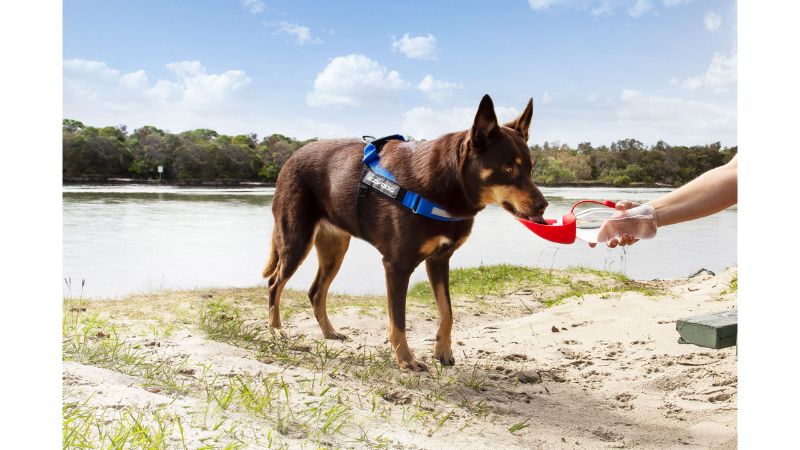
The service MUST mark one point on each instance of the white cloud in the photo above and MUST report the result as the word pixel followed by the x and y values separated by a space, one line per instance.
pixel 640 7
pixel 636 114
pixel 134 80
pixel 692 83
pixel 720 73
pixel 89 79
pixel 185 69
pixel 302 35
pixel 253 6
pixel 354 80
pixel 437 90
pixel 94 69
pixel 197 87
pixel 428 123
pixel 593 97
pixel 628 94
pixel 712 21
pixel 546 98
pixel 538 5
pixel 634 8
pixel 416 47
pixel 96 93
pixel 650 118
pixel 603 9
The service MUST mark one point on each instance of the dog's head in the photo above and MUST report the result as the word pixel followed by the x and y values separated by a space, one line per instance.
pixel 499 163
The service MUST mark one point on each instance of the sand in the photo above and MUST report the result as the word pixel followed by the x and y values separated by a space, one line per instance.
pixel 602 371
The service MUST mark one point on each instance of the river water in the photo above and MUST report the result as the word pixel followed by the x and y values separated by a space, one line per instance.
pixel 141 238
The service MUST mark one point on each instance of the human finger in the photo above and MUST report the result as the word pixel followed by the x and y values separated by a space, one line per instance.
pixel 625 204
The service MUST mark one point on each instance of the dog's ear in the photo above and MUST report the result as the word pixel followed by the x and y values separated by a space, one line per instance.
pixel 523 123
pixel 485 123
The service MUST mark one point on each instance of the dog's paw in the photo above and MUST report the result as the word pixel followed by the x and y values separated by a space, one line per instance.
pixel 444 353
pixel 446 358
pixel 413 365
pixel 335 335
pixel 278 332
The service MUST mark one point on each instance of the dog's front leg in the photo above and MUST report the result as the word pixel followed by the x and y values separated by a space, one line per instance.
pixel 439 277
pixel 397 277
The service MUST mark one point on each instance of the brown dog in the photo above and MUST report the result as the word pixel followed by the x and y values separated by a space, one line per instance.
pixel 316 203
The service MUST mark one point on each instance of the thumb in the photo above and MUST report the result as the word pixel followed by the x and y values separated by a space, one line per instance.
pixel 624 204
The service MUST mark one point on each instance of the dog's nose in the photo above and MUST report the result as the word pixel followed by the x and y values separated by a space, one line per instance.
pixel 541 205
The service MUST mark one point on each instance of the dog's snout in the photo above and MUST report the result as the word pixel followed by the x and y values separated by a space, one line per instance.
pixel 541 205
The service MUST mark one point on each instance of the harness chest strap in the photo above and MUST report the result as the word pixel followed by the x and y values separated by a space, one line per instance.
pixel 376 177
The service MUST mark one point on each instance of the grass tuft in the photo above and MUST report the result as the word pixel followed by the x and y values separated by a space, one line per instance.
pixel 554 288
pixel 519 426
pixel 733 286
pixel 488 280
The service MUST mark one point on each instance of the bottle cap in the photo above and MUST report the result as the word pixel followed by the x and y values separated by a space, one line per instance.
pixel 561 231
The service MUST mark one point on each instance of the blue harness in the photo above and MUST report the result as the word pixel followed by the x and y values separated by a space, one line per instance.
pixel 376 177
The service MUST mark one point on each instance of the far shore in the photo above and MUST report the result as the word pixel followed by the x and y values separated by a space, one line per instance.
pixel 240 183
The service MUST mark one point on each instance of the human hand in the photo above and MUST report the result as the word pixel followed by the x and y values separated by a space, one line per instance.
pixel 614 232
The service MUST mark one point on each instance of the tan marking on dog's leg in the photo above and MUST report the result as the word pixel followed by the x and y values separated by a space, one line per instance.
pixel 443 350
pixel 396 290
pixel 433 244
pixel 438 275
pixel 331 244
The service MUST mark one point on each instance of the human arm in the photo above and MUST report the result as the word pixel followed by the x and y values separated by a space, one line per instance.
pixel 707 194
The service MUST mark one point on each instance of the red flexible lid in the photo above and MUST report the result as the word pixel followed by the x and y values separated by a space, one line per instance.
pixel 563 233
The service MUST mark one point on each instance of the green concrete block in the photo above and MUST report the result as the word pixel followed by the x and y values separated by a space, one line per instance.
pixel 717 330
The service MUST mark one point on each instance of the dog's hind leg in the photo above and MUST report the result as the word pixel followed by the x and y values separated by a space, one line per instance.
pixel 292 241
pixel 439 277
pixel 331 244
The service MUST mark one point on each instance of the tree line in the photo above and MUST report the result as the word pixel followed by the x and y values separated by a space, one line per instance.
pixel 626 162
pixel 191 156
pixel 205 155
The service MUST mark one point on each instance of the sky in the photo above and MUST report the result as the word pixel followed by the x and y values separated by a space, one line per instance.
pixel 597 70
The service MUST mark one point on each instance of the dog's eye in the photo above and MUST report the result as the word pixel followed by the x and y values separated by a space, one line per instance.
pixel 508 169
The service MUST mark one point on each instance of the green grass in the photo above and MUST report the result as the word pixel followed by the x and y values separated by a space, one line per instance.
pixel 733 286
pixel 488 280
pixel 519 426
pixel 581 289
pixel 502 279
pixel 621 277
pixel 86 426
pixel 91 340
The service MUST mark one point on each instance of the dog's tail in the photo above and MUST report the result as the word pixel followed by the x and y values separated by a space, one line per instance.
pixel 272 263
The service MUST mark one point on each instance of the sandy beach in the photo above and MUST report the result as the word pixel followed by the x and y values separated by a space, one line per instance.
pixel 562 359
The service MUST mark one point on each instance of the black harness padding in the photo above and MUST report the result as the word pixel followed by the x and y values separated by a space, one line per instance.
pixel 368 174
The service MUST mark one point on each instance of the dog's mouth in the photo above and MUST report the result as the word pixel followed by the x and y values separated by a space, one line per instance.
pixel 538 218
